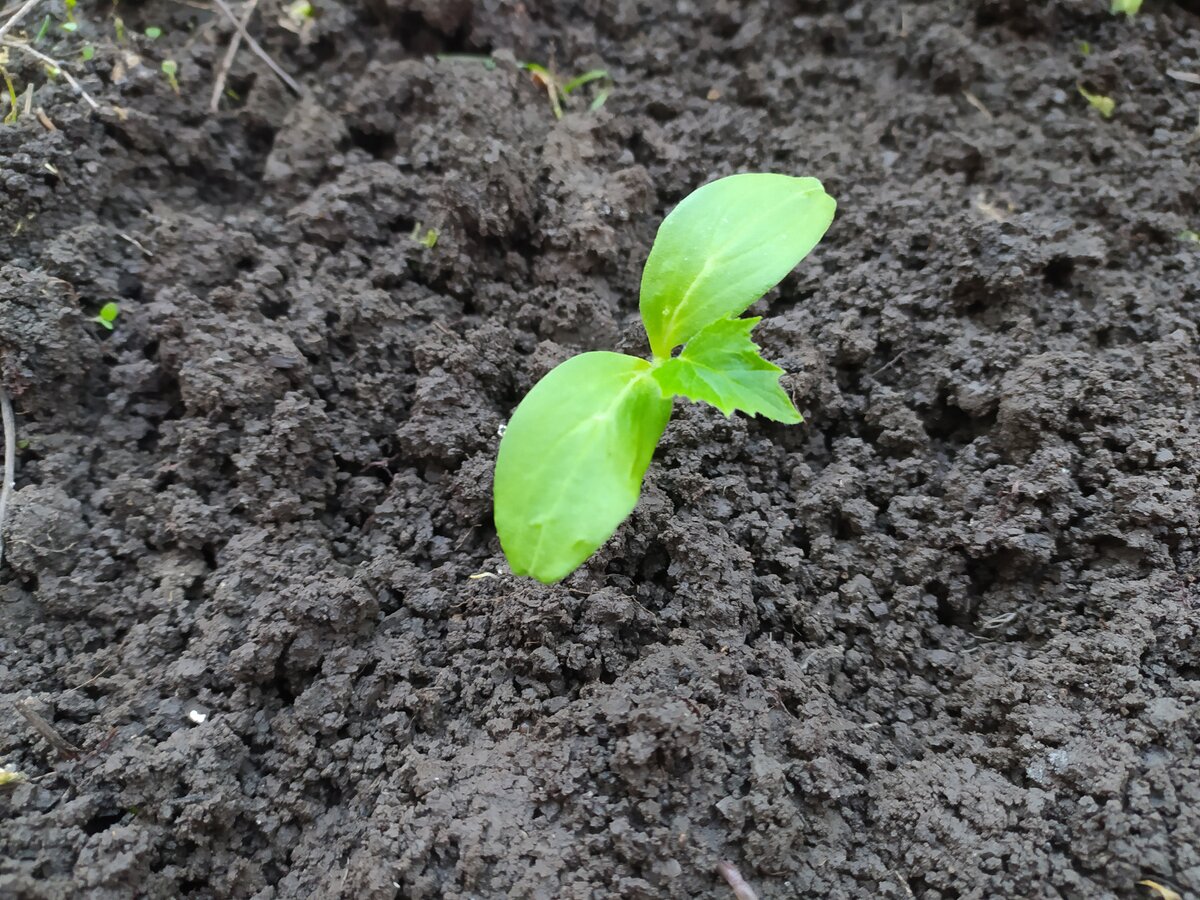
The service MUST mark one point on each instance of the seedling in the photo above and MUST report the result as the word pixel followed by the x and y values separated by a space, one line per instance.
pixel 1104 105
pixel 571 461
pixel 70 25
pixel 555 88
pixel 300 11
pixel 579 81
pixel 107 315
pixel 428 239
pixel 153 32
pixel 170 68
pixel 13 109
pixel 1128 7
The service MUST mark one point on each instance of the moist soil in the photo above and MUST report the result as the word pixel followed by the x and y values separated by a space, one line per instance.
pixel 939 641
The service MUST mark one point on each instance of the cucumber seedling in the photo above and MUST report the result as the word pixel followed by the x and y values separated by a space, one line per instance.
pixel 571 461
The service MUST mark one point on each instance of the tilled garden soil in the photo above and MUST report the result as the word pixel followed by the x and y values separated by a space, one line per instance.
pixel 939 641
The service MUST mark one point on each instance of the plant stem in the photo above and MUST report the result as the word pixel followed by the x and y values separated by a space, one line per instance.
pixel 10 460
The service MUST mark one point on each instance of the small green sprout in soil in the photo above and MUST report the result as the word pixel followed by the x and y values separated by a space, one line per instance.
pixel 1106 106
pixel 1085 49
pixel 119 29
pixel 10 776
pixel 300 11
pixel 170 68
pixel 1128 7
pixel 87 53
pixel 429 239
pixel 600 75
pixel 41 33
pixel 1191 236
pixel 153 32
pixel 572 458
pixel 557 89
pixel 107 315
pixel 14 109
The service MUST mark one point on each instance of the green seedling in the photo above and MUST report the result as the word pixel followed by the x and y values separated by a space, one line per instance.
pixel 170 68
pixel 300 11
pixel 1190 236
pixel 557 89
pixel 119 29
pixel 107 316
pixel 600 75
pixel 428 240
pixel 13 110
pixel 88 53
pixel 153 32
pixel 572 458
pixel 1085 48
pixel 41 32
pixel 10 776
pixel 1104 105
pixel 1128 7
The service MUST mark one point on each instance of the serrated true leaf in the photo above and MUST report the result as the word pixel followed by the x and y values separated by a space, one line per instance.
pixel 723 247
pixel 571 461
pixel 721 365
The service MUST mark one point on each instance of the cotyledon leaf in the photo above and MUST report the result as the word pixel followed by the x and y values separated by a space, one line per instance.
pixel 723 247
pixel 570 465
pixel 721 365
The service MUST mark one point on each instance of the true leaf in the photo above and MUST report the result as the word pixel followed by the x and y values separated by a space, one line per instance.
pixel 721 365
pixel 723 247
pixel 571 462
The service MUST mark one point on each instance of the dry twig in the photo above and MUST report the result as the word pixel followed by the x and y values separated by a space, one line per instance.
pixel 227 63
pixel 10 460
pixel 257 48
pixel 46 730
pixel 17 17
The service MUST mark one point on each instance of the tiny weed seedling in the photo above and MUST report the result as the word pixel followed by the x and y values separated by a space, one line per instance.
pixel 556 89
pixel 1128 7
pixel 427 238
pixel 13 109
pixel 153 32
pixel 107 315
pixel 1106 106
pixel 571 461
pixel 170 68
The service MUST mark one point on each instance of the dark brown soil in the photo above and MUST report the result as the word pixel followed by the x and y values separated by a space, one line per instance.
pixel 939 642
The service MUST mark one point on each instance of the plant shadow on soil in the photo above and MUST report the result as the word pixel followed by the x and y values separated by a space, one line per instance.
pixel 937 642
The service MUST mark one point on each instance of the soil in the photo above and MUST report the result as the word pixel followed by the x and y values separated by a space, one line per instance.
pixel 940 641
